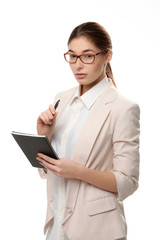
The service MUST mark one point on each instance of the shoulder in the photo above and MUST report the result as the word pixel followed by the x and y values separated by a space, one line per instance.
pixel 125 119
pixel 123 104
pixel 125 111
pixel 119 103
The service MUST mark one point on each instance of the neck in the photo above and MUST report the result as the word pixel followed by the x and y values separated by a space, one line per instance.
pixel 85 88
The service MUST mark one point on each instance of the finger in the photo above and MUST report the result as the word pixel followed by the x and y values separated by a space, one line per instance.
pixel 51 108
pixel 48 165
pixel 49 116
pixel 46 117
pixel 42 118
pixel 46 158
pixel 39 159
pixel 49 113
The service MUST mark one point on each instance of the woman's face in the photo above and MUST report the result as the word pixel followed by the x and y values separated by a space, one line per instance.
pixel 88 75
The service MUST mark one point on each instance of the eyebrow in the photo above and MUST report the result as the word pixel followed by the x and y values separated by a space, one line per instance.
pixel 84 51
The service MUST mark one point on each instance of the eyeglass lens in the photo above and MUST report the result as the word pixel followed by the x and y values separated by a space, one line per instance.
pixel 86 58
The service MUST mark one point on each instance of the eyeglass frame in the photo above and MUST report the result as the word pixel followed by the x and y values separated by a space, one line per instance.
pixel 79 56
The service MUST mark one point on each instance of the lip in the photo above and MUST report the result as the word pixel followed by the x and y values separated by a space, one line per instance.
pixel 81 75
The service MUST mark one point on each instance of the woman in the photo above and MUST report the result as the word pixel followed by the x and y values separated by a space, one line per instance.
pixel 96 135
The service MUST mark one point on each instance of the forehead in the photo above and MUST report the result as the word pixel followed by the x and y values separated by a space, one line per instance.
pixel 81 44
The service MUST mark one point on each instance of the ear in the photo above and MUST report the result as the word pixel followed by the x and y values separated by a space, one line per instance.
pixel 109 56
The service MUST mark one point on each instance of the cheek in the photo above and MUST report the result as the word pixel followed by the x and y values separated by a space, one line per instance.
pixel 98 68
pixel 101 66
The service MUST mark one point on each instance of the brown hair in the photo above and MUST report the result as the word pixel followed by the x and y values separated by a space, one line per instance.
pixel 99 36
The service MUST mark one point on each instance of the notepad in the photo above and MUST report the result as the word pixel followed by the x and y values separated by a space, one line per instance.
pixel 31 144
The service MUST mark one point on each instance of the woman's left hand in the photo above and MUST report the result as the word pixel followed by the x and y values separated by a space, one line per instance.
pixel 62 167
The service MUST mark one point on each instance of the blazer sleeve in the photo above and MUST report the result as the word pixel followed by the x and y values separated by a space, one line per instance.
pixel 126 149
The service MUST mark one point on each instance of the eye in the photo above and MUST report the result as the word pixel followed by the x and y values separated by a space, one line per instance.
pixel 87 56
pixel 72 56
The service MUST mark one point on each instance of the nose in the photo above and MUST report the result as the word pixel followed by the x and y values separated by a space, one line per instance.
pixel 79 64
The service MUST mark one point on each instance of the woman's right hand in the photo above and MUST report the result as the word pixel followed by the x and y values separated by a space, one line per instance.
pixel 46 122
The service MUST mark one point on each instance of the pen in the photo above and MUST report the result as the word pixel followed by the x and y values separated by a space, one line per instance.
pixel 56 105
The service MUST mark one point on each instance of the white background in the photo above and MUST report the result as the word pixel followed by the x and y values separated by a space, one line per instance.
pixel 33 38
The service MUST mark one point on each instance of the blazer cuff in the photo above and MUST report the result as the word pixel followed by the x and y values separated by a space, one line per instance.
pixel 125 185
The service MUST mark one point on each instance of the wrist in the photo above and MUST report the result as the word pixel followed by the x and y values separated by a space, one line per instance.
pixel 80 172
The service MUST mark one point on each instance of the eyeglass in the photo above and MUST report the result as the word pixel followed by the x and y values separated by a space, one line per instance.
pixel 85 58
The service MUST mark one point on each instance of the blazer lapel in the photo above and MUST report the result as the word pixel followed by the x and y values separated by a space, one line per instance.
pixel 93 125
pixel 64 99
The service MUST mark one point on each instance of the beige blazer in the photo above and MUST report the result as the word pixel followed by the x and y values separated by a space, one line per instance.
pixel 109 141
